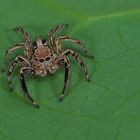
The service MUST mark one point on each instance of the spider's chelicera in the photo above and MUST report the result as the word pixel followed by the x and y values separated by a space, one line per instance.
pixel 42 57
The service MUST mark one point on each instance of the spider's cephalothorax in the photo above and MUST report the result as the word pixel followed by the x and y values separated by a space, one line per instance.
pixel 42 57
pixel 44 60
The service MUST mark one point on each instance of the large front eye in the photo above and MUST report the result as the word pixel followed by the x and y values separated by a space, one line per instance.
pixel 41 60
pixel 47 58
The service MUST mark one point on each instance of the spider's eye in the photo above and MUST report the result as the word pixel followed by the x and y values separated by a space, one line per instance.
pixel 43 41
pixel 34 43
pixel 41 60
pixel 47 59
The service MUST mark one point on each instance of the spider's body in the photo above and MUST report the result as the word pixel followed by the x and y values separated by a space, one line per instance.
pixel 41 57
pixel 44 60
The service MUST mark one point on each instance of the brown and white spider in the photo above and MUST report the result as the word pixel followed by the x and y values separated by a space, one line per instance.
pixel 42 57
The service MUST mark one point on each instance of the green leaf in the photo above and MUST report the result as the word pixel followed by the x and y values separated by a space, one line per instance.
pixel 107 108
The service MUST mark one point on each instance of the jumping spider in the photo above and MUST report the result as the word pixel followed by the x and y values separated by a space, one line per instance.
pixel 42 57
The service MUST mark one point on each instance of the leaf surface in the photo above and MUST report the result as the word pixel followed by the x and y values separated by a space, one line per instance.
pixel 107 108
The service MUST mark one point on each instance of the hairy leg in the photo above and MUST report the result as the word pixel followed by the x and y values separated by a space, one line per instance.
pixel 28 71
pixel 67 76
pixel 9 51
pixel 79 60
pixel 55 29
pixel 12 66
pixel 75 41
pixel 28 43
pixel 25 34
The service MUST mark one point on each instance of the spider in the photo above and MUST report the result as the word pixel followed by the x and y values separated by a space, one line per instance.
pixel 42 57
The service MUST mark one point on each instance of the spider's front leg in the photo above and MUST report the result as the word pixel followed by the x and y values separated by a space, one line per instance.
pixel 67 75
pixel 12 66
pixel 28 71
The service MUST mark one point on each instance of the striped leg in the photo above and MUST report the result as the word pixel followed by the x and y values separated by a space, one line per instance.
pixel 77 42
pixel 28 44
pixel 26 35
pixel 79 60
pixel 55 29
pixel 12 66
pixel 67 77
pixel 9 51
pixel 28 71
